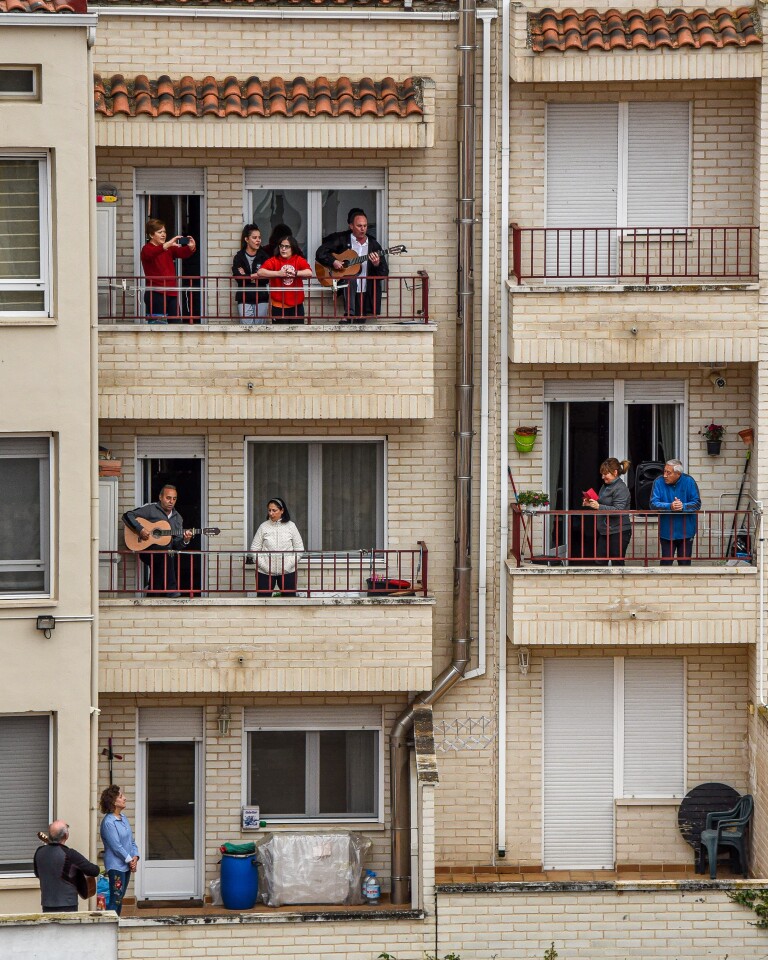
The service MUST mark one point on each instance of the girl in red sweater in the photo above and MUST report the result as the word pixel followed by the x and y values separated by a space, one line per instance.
pixel 157 260
pixel 286 287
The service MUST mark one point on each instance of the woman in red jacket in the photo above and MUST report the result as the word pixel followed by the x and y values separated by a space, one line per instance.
pixel 286 286
pixel 157 260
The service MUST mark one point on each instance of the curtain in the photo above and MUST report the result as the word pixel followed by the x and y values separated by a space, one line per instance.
pixel 666 419
pixel 273 207
pixel 281 470
pixel 350 495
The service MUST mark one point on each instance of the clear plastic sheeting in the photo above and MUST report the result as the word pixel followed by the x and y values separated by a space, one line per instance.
pixel 312 867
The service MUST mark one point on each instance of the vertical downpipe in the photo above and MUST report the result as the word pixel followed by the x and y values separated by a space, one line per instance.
pixel 400 784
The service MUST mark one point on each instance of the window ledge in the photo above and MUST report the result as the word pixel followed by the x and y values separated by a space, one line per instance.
pixel 538 570
pixel 9 603
pixel 23 881
pixel 316 826
pixel 648 801
pixel 28 321
pixel 558 288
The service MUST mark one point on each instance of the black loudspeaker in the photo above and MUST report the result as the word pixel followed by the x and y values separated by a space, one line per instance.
pixel 645 474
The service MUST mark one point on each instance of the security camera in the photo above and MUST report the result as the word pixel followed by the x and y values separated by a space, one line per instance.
pixel 718 381
pixel 633 331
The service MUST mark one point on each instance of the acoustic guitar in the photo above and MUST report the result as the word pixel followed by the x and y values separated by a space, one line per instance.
pixel 352 264
pixel 90 882
pixel 160 534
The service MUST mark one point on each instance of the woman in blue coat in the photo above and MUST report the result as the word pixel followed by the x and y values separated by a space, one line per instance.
pixel 121 855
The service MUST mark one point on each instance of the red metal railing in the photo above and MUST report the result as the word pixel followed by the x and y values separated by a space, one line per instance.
pixel 556 537
pixel 211 299
pixel 646 254
pixel 193 573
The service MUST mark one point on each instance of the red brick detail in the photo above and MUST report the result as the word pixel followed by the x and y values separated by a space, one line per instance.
pixel 613 30
pixel 230 97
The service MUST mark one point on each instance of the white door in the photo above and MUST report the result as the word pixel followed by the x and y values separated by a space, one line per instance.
pixel 170 804
pixel 109 566
pixel 578 764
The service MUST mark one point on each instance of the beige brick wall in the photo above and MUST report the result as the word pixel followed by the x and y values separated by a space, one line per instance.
pixel 732 407
pixel 222 374
pixel 264 646
pixel 722 138
pixel 716 750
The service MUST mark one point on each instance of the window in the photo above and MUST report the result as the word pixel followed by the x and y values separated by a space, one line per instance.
pixel 589 420
pixel 25 494
pixel 314 764
pixel 313 203
pixel 18 83
pixel 25 788
pixel 334 490
pixel 613 165
pixel 24 235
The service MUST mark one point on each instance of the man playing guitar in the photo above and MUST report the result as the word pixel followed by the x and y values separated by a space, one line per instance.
pixel 361 294
pixel 163 581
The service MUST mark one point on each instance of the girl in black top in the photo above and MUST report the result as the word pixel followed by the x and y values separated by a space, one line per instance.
pixel 251 295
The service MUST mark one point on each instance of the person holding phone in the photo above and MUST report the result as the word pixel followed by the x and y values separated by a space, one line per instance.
pixel 614 529
pixel 158 254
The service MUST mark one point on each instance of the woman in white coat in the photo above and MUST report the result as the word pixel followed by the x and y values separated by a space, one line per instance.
pixel 276 544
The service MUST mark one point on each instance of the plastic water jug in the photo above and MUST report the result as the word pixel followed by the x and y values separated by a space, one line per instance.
pixel 371 887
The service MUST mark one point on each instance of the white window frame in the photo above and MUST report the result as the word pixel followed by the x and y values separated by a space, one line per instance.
pixel 34 93
pixel 170 182
pixel 51 765
pixel 43 282
pixel 381 511
pixel 313 182
pixel 48 517
pixel 623 166
pixel 339 723
pixel 575 392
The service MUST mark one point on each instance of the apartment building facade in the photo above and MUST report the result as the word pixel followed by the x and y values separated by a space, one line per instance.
pixel 617 305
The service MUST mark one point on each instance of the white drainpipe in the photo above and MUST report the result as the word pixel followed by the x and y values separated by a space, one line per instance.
pixel 486 16
pixel 501 830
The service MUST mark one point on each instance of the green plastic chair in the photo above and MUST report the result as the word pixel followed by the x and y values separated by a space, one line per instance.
pixel 728 828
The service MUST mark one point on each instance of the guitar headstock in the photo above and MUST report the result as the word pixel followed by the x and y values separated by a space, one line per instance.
pixel 399 248
pixel 211 531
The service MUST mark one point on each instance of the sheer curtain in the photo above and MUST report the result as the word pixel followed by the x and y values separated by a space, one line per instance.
pixel 349 478
pixel 666 419
pixel 281 470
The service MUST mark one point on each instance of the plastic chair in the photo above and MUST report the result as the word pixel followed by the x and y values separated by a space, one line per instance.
pixel 728 828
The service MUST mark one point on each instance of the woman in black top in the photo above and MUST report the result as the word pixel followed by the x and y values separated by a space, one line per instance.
pixel 614 529
pixel 251 294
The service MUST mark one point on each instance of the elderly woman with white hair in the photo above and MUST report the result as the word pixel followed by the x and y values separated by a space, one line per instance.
pixel 675 494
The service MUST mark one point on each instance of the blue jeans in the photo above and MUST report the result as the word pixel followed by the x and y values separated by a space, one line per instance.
pixel 118 884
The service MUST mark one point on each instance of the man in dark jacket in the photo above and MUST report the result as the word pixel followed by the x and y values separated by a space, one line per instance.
pixel 361 294
pixel 163 581
pixel 61 871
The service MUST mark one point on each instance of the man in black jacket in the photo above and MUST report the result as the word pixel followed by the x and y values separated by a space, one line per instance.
pixel 61 871
pixel 362 293
pixel 163 581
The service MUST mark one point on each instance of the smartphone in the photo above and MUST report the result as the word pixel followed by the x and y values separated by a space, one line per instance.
pixel 183 241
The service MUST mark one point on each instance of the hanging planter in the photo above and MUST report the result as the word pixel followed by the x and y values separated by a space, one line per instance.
pixel 525 438
pixel 713 434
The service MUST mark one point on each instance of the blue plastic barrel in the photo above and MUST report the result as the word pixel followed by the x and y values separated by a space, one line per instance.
pixel 239 881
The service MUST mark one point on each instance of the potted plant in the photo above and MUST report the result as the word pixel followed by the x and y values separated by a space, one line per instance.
pixel 713 433
pixel 525 438
pixel 532 501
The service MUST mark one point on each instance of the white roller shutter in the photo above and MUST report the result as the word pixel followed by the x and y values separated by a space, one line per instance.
pixel 25 791
pixel 182 448
pixel 658 164
pixel 578 763
pixel 313 718
pixel 170 181
pixel 338 178
pixel 171 723
pixel 654 391
pixel 578 390
pixel 654 727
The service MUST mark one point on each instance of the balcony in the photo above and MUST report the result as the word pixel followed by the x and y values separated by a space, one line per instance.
pixel 569 537
pixel 209 366
pixel 356 622
pixel 561 591
pixel 644 255
pixel 607 294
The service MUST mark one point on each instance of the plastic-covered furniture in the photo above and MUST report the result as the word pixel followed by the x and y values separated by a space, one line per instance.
pixel 728 828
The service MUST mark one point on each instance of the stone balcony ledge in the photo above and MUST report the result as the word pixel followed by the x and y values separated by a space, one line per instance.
pixel 538 570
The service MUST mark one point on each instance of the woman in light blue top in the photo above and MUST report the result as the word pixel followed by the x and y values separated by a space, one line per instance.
pixel 121 855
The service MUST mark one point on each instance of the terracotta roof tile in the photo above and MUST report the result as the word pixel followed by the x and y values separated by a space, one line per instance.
pixel 230 97
pixel 43 6
pixel 266 3
pixel 614 30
